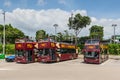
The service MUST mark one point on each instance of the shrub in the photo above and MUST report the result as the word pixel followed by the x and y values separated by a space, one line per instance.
pixel 0 48
pixel 9 48
pixel 80 46
pixel 114 49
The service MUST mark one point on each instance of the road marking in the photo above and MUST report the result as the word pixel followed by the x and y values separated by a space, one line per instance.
pixel 6 69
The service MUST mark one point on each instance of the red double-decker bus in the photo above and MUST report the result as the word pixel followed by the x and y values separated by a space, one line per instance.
pixel 50 51
pixel 95 51
pixel 24 51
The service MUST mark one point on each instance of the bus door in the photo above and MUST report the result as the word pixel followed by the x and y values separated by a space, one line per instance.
pixel 29 56
pixel 20 56
pixel 47 54
pixel 52 54
pixel 63 53
pixel 72 53
pixel 20 53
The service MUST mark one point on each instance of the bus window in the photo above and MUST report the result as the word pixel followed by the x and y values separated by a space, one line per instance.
pixel 63 50
pixel 40 51
pixel 20 53
pixel 44 51
pixel 53 51
pixel 58 50
pixel 71 51
pixel 97 47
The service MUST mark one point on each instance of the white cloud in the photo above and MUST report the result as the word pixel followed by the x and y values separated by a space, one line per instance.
pixel 7 3
pixel 82 12
pixel 41 2
pixel 1 11
pixel 29 21
pixel 62 2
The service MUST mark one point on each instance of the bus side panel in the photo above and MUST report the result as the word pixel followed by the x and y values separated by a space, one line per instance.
pixel 66 56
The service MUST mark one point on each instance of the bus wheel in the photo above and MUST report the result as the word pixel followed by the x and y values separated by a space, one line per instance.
pixel 100 61
pixel 58 59
pixel 72 58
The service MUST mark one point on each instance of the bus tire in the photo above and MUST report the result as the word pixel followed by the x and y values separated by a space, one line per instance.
pixel 58 59
pixel 100 61
pixel 72 58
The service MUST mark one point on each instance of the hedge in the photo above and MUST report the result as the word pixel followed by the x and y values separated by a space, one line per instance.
pixel 80 46
pixel 9 48
pixel 114 49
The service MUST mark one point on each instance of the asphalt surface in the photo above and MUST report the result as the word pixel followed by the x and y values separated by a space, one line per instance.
pixel 65 70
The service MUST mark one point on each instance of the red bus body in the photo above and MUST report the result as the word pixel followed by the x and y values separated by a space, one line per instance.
pixel 50 51
pixel 24 51
pixel 95 52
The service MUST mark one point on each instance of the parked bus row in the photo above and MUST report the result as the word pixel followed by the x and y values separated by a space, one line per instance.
pixel 44 51
pixel 48 50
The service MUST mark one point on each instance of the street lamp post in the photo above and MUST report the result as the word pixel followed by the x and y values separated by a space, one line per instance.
pixel 71 18
pixel 4 33
pixel 55 25
pixel 114 25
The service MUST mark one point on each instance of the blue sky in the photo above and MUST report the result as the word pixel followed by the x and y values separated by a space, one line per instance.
pixel 96 8
pixel 31 15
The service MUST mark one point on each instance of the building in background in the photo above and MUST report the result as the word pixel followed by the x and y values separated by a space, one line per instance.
pixel 115 39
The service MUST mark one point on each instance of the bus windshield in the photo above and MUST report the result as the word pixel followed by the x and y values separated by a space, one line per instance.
pixel 20 53
pixel 91 54
pixel 92 41
pixel 44 52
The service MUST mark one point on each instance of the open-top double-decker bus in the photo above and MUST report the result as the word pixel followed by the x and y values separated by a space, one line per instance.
pixel 51 51
pixel 95 51
pixel 24 51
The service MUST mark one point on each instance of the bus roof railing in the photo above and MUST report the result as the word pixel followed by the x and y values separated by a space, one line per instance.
pixel 23 40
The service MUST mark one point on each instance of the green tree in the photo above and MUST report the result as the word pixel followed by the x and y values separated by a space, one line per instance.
pixel 66 35
pixel 77 23
pixel 41 34
pixel 59 37
pixel 53 37
pixel 96 32
pixel 11 33
pixel 82 40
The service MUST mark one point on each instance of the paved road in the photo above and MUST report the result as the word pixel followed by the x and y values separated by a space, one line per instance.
pixel 66 70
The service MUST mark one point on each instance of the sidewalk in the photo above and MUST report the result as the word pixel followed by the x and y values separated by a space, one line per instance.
pixel 116 57
pixel 80 56
pixel 2 60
